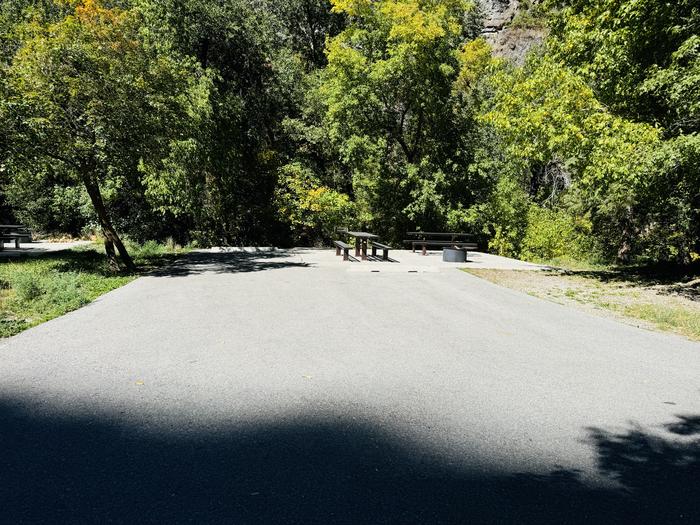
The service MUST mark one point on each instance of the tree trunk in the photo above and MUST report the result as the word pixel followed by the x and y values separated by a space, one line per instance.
pixel 111 237
pixel 203 52
pixel 624 252
pixel 111 255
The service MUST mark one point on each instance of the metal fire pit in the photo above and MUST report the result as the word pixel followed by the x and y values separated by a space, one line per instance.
pixel 454 255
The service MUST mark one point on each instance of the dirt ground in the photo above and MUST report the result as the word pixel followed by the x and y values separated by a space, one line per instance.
pixel 658 302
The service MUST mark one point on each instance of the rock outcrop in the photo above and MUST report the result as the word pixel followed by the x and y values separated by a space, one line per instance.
pixel 498 14
pixel 509 40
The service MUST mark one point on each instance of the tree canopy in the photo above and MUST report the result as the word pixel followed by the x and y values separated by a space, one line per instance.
pixel 256 121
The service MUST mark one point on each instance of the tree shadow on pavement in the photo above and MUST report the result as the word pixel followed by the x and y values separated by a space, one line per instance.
pixel 89 469
pixel 227 262
pixel 659 469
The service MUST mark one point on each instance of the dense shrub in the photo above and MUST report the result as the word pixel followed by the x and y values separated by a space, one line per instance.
pixel 554 234
pixel 312 211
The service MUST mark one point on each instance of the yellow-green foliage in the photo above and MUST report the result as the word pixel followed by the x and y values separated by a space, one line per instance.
pixel 546 112
pixel 474 59
pixel 502 219
pixel 311 210
pixel 552 234
pixel 549 120
pixel 642 56
pixel 395 112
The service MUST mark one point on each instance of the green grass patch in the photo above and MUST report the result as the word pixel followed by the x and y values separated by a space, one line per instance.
pixel 36 289
pixel 667 317
pixel 571 264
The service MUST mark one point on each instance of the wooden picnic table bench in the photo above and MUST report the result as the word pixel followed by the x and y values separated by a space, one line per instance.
pixel 444 244
pixel 23 231
pixel 385 250
pixel 440 239
pixel 439 234
pixel 340 245
pixel 361 244
pixel 10 237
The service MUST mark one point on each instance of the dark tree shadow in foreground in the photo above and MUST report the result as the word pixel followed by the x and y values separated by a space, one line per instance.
pixel 662 474
pixel 93 470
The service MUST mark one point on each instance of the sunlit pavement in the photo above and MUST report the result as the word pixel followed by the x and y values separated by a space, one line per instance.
pixel 35 248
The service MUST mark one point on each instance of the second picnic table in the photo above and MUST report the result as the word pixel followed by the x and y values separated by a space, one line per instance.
pixel 361 239
pixel 15 233
pixel 442 239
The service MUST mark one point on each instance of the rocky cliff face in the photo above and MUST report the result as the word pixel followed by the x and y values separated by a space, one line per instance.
pixel 508 39
pixel 498 13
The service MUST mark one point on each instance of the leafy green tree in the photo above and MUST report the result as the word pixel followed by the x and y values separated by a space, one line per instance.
pixel 642 57
pixel 391 109
pixel 566 149
pixel 669 200
pixel 243 45
pixel 305 25
pixel 88 100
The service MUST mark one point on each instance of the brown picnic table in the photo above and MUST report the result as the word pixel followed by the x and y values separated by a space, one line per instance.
pixel 361 239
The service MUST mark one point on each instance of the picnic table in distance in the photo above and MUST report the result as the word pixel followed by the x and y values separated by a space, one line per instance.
pixel 361 239
pixel 441 239
pixel 14 233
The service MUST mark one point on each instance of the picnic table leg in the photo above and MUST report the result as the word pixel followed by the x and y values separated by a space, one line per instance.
pixel 358 243
pixel 364 249
pixel 425 249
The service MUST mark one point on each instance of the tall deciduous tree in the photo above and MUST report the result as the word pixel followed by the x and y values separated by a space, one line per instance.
pixel 242 44
pixel 391 113
pixel 86 97
pixel 560 139
pixel 642 60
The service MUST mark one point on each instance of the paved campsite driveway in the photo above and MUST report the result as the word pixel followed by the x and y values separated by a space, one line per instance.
pixel 287 389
